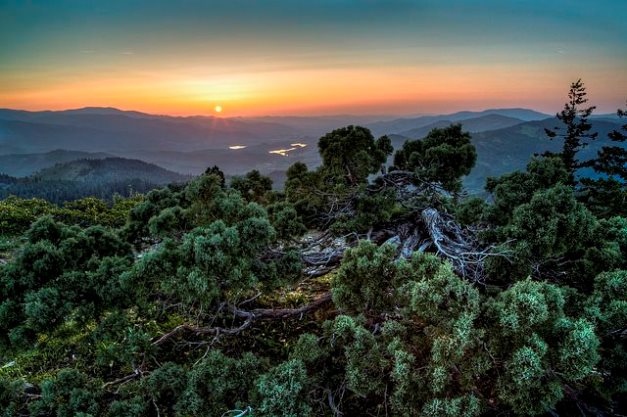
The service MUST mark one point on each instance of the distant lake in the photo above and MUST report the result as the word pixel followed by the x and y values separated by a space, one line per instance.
pixel 236 147
pixel 285 152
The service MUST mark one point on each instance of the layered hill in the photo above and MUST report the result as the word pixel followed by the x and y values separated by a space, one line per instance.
pixel 102 178
pixel 23 165
pixel 473 125
pixel 401 125
pixel 109 130
pixel 505 140
pixel 509 149
pixel 109 170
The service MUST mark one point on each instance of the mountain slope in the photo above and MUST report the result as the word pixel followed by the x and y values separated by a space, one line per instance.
pixel 473 125
pixel 102 178
pixel 22 165
pixel 404 124
pixel 109 170
pixel 116 131
pixel 505 150
pixel 30 132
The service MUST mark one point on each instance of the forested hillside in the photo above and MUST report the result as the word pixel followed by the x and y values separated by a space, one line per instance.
pixel 101 178
pixel 23 165
pixel 357 290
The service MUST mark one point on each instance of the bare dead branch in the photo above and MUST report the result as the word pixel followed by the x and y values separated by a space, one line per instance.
pixel 459 245
pixel 249 316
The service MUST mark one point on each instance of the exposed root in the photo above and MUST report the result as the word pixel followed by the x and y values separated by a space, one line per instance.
pixel 459 245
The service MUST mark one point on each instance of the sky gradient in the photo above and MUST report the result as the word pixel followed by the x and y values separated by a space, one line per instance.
pixel 317 57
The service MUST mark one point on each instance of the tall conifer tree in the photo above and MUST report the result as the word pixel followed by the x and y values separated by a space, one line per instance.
pixel 576 131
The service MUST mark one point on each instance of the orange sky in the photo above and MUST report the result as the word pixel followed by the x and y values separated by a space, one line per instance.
pixel 320 59
pixel 312 91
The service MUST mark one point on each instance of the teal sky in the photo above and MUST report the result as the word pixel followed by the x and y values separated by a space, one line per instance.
pixel 256 57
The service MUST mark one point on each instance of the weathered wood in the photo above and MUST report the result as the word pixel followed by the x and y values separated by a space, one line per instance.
pixel 459 245
pixel 250 316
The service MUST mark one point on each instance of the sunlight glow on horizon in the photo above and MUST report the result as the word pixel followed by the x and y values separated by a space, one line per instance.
pixel 350 58
pixel 334 91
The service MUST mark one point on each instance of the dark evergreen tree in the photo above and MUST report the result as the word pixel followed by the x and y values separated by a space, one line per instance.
pixel 607 195
pixel 443 156
pixel 215 170
pixel 351 153
pixel 253 186
pixel 576 131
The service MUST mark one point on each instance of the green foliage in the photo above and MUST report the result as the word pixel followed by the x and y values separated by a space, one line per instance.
pixel 470 211
pixel 436 295
pixel 365 363
pixel 166 384
pixel 215 170
pixel 61 270
pixel 167 221
pixel 607 195
pixel 283 391
pixel 337 194
pixel 17 214
pixel 183 323
pixel 551 224
pixel 349 156
pixel 525 386
pixel 443 156
pixel 68 394
pixel 526 308
pixel 351 153
pixel 134 407
pixel 137 224
pixel 466 406
pixel 607 307
pixel 218 383
pixel 218 255
pixel 369 209
pixel 59 192
pixel 285 220
pixel 512 190
pixel 307 349
pixel 301 187
pixel 366 278
pixel 11 392
pixel 253 186
pixel 532 327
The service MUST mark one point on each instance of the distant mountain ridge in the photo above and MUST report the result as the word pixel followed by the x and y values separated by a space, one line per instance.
pixel 96 129
pixel 472 125
pixel 113 130
pixel 404 124
pixel 505 139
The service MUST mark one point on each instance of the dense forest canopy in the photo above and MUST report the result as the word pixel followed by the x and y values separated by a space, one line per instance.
pixel 81 178
pixel 356 290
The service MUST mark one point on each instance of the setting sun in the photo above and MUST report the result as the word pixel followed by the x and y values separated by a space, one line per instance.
pixel 218 109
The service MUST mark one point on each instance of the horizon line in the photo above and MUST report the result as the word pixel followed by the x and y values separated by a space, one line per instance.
pixel 217 116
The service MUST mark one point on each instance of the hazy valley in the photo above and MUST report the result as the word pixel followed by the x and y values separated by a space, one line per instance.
pixel 31 141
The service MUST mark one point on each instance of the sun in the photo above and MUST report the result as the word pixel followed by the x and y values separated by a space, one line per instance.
pixel 218 109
